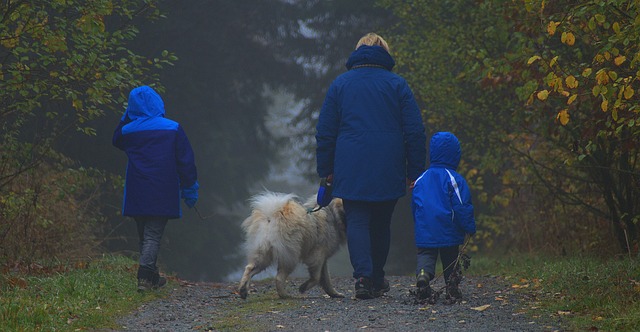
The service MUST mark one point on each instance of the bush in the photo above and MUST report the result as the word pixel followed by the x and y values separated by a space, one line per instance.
pixel 50 211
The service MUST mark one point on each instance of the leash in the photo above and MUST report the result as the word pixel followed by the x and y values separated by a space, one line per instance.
pixel 310 211
pixel 200 215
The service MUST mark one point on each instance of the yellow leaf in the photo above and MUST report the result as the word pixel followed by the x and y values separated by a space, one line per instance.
pixel 542 95
pixel 571 82
pixel 572 99
pixel 563 117
pixel 551 27
pixel 564 313
pixel 533 59
pixel 616 27
pixel 604 105
pixel 553 61
pixel 482 307
pixel 628 92
pixel 77 104
pixel 619 59
pixel 568 38
pixel 587 72
pixel 602 77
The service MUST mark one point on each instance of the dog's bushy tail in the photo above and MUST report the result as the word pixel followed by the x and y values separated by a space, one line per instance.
pixel 264 227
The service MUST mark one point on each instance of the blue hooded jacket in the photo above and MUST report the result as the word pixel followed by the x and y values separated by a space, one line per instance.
pixel 441 204
pixel 370 134
pixel 161 161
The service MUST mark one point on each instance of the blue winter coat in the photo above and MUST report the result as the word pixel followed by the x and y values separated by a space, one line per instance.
pixel 441 203
pixel 370 134
pixel 161 161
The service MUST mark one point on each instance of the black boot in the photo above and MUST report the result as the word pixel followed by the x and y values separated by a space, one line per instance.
pixel 158 281
pixel 145 279
pixel 422 283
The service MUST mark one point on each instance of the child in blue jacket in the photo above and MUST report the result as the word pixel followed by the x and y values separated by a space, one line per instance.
pixel 443 214
pixel 160 171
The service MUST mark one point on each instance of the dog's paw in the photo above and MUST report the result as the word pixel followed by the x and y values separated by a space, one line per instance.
pixel 243 293
pixel 337 295
pixel 285 296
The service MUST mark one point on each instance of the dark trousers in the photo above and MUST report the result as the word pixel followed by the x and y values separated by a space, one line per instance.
pixel 427 260
pixel 150 230
pixel 369 237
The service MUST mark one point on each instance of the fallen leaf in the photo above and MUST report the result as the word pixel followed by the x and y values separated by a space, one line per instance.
pixel 482 307
pixel 564 313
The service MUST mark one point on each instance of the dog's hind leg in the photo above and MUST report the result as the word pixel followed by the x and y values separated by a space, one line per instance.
pixel 254 267
pixel 325 282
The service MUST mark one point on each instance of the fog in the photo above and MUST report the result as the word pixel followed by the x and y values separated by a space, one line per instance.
pixel 247 89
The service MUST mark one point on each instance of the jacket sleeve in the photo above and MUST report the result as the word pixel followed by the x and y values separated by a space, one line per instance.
pixel 186 165
pixel 414 135
pixel 116 140
pixel 462 205
pixel 327 133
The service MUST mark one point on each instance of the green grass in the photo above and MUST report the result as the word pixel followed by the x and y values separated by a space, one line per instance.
pixel 587 292
pixel 234 317
pixel 83 297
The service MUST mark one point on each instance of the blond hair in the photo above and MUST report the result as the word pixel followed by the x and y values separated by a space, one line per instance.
pixel 372 39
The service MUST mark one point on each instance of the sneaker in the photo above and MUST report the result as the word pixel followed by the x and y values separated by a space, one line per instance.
pixel 364 290
pixel 381 289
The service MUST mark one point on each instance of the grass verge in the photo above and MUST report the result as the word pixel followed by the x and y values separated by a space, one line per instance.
pixel 234 316
pixel 85 296
pixel 589 293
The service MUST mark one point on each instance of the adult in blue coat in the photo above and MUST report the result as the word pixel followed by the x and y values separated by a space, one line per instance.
pixel 443 213
pixel 160 171
pixel 370 142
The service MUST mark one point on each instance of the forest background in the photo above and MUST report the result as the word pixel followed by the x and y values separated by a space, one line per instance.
pixel 543 96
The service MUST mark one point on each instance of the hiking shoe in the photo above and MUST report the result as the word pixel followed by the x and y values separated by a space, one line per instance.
pixel 144 285
pixel 159 282
pixel 422 283
pixel 381 289
pixel 364 290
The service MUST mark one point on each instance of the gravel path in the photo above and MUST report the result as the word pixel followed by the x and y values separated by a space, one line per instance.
pixel 489 304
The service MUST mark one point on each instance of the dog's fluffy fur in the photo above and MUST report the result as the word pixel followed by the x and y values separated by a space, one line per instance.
pixel 280 230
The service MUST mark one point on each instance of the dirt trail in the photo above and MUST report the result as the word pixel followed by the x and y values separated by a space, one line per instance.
pixel 489 304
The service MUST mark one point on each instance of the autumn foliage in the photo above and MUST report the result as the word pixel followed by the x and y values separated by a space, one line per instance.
pixel 545 97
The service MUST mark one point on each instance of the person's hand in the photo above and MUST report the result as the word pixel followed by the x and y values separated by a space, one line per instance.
pixel 191 202
pixel 330 178
pixel 190 195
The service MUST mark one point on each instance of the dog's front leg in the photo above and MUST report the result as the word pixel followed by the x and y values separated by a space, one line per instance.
pixel 325 282
pixel 281 279
pixel 314 278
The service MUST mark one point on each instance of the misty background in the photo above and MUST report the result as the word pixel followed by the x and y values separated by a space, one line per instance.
pixel 247 88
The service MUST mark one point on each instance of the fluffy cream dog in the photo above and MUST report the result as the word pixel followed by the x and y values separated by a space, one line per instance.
pixel 281 230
